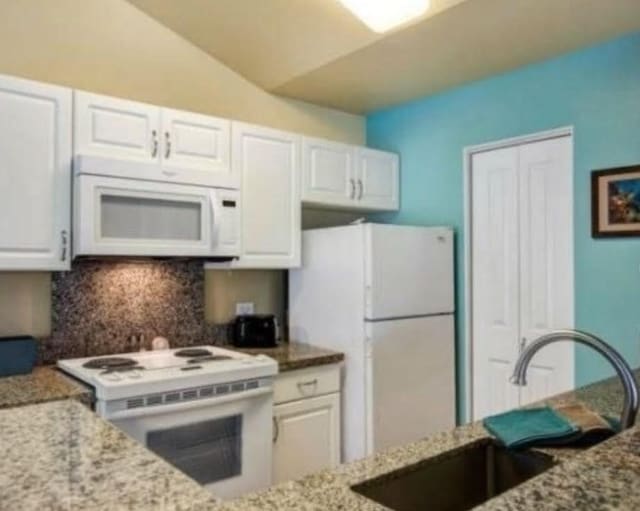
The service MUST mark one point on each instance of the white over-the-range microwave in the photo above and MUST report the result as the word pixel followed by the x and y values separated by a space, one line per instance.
pixel 116 216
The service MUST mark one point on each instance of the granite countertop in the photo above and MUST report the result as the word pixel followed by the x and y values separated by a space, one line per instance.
pixel 603 477
pixel 61 456
pixel 296 355
pixel 43 384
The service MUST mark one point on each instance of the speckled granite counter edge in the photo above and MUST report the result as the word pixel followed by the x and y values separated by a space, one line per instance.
pixel 315 362
pixel 603 477
pixel 43 385
pixel 61 456
pixel 294 355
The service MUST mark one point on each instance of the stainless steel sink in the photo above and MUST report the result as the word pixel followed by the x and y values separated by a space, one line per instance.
pixel 456 480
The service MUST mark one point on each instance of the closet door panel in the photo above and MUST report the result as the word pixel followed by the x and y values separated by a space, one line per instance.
pixel 495 282
pixel 546 261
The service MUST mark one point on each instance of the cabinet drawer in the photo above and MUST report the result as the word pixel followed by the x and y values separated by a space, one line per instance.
pixel 304 383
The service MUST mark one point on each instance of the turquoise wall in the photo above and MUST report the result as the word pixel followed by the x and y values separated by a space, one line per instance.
pixel 597 91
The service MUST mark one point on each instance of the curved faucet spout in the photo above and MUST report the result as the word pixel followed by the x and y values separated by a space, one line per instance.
pixel 630 409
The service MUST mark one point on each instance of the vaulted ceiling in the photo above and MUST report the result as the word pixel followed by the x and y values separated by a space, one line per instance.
pixel 317 51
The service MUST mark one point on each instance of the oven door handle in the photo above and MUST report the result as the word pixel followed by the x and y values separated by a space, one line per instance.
pixel 147 411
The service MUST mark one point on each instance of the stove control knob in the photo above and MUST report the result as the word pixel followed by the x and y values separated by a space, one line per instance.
pixel 112 376
pixel 135 374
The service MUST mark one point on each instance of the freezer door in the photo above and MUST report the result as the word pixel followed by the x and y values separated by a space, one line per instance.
pixel 408 270
pixel 410 375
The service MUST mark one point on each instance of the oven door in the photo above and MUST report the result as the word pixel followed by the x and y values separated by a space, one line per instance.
pixel 224 443
pixel 127 217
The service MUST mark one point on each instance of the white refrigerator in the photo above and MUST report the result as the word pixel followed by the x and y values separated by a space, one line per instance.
pixel 384 296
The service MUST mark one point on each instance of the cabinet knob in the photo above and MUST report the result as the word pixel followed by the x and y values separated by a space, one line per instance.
pixel 276 430
pixel 64 241
pixel 167 145
pixel 154 143
pixel 312 385
pixel 361 188
pixel 352 195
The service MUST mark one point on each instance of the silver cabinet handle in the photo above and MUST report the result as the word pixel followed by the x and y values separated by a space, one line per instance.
pixel 352 195
pixel 276 430
pixel 167 145
pixel 303 384
pixel 65 239
pixel 361 188
pixel 154 143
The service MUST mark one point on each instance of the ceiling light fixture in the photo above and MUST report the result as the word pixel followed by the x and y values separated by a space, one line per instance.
pixel 383 15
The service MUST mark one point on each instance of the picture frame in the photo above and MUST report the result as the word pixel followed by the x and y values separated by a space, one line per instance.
pixel 615 202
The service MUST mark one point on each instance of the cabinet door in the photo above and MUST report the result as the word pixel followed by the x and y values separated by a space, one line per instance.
pixel 328 173
pixel 268 161
pixel 116 128
pixel 378 179
pixel 306 437
pixel 35 175
pixel 196 149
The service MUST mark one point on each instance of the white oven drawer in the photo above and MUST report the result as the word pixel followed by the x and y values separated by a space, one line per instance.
pixel 309 382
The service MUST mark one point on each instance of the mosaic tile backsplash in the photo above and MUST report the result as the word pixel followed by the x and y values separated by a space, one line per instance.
pixel 99 305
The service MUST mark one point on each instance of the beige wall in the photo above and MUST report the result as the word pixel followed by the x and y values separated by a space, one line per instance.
pixel 110 47
pixel 25 303
pixel 223 289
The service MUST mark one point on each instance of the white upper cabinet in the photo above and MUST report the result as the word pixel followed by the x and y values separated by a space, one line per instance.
pixel 116 128
pixel 35 175
pixel 268 162
pixel 328 172
pixel 197 147
pixel 341 176
pixel 121 138
pixel 378 179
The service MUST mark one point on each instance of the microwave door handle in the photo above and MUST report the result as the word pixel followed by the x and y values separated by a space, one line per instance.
pixel 215 217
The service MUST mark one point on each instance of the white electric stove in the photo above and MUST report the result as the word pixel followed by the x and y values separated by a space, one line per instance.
pixel 206 410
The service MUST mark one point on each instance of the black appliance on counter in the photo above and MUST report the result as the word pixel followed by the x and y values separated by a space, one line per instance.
pixel 254 331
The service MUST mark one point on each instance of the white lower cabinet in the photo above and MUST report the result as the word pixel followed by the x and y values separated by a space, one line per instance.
pixel 35 175
pixel 306 432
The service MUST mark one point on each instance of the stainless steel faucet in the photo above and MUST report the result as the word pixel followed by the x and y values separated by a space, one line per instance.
pixel 630 409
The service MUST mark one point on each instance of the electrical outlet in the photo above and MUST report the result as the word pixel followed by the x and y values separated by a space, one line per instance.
pixel 243 308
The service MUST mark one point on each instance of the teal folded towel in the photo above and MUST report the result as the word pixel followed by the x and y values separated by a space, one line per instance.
pixel 532 426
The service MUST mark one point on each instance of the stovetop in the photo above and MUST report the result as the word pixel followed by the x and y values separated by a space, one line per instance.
pixel 130 374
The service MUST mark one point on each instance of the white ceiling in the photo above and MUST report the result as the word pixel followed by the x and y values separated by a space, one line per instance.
pixel 315 50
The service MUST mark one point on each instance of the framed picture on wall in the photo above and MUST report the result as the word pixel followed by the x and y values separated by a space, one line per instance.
pixel 615 202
